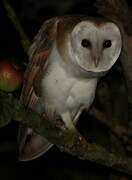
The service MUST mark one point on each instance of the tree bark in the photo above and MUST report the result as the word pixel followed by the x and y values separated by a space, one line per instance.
pixel 119 12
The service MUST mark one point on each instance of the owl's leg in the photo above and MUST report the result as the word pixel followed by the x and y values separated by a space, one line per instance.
pixel 76 114
pixel 67 119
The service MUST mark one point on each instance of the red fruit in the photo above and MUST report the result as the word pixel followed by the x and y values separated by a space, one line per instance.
pixel 11 76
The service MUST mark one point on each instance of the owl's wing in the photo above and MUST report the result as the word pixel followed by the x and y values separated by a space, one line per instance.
pixel 33 145
pixel 38 53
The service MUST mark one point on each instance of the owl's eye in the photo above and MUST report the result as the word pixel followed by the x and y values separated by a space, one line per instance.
pixel 86 43
pixel 107 44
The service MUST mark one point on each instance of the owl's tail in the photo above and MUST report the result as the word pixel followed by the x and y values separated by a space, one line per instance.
pixel 32 145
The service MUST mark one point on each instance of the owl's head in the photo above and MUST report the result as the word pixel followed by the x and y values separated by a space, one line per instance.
pixel 94 45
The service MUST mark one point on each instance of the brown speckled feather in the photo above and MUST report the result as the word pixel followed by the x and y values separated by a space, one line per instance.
pixel 38 54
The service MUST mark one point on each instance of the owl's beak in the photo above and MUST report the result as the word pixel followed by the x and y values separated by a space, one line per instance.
pixel 96 61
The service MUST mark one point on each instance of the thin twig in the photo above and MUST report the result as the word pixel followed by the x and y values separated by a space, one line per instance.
pixel 11 14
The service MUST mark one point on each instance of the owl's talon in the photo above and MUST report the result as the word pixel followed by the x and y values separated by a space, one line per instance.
pixel 66 117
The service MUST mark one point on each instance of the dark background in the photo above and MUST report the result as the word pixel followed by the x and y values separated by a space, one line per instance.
pixel 54 164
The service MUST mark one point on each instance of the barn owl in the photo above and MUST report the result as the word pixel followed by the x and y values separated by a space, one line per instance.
pixel 67 58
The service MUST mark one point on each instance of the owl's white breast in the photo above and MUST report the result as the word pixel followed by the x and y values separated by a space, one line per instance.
pixel 64 92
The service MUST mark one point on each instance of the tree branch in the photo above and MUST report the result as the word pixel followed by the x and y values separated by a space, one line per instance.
pixel 73 144
pixel 11 14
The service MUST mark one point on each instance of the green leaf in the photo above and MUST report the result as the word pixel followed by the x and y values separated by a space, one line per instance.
pixel 7 108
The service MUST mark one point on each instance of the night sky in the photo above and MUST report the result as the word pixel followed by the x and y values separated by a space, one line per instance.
pixel 54 164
